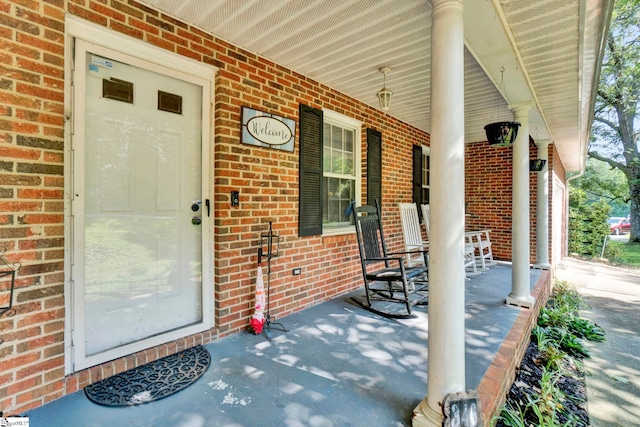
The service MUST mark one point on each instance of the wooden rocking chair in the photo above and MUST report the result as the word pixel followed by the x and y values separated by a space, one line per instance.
pixel 387 279
pixel 412 234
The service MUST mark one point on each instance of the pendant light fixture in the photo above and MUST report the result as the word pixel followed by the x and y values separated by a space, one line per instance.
pixel 384 95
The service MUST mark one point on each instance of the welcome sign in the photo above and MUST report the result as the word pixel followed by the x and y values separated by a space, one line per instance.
pixel 267 130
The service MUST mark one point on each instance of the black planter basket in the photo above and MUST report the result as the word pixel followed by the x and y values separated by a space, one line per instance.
pixel 502 134
pixel 536 165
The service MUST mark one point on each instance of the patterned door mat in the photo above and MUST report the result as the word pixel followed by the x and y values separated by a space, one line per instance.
pixel 152 381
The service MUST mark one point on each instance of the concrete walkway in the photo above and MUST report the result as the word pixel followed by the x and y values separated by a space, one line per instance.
pixel 613 371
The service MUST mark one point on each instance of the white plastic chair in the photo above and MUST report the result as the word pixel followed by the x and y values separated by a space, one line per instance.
pixel 470 268
pixel 412 233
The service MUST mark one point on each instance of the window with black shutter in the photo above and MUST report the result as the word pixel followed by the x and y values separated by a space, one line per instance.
pixel 421 175
pixel 329 171
pixel 310 209
pixel 426 174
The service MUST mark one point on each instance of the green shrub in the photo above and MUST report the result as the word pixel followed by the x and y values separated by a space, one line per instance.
pixel 560 326
pixel 585 328
pixel 614 251
pixel 561 338
pixel 566 298
pixel 558 336
pixel 588 226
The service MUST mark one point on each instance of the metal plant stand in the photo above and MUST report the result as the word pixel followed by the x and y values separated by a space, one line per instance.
pixel 7 284
pixel 269 246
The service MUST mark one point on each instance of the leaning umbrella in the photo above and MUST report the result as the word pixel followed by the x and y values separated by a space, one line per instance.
pixel 257 320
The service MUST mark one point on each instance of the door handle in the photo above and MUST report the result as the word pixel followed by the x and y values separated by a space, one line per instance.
pixel 196 220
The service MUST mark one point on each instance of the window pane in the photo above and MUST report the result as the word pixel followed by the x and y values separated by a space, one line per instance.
pixel 339 174
pixel 326 149
pixel 426 166
pixel 338 162
pixel 347 165
pixel 326 160
pixel 339 193
pixel 336 137
pixel 426 159
pixel 326 128
pixel 425 195
pixel 338 150
pixel 425 169
pixel 348 140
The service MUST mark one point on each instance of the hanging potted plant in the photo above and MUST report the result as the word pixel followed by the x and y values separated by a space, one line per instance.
pixel 536 165
pixel 502 134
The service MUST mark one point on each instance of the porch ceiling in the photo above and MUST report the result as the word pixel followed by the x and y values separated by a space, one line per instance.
pixel 550 51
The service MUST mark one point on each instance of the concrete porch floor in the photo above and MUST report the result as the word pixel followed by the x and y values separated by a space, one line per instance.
pixel 338 366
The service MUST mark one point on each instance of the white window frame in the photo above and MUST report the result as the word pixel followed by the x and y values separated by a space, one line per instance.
pixel 426 152
pixel 337 119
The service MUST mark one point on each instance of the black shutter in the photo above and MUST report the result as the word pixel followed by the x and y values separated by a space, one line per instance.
pixel 374 167
pixel 417 175
pixel 310 209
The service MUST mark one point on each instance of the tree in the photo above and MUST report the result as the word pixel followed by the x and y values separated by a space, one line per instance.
pixel 601 182
pixel 615 132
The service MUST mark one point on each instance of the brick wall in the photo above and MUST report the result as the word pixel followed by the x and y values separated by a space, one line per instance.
pixel 488 194
pixel 31 177
pixel 32 182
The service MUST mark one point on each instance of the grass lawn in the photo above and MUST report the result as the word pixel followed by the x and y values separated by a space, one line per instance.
pixel 631 254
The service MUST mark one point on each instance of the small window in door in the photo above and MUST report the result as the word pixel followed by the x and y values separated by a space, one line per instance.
pixel 117 89
pixel 169 102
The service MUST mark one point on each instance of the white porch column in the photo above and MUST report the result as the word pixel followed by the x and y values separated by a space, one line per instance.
pixel 446 364
pixel 520 281
pixel 542 207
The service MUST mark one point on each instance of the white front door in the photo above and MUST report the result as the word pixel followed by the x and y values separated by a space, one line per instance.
pixel 138 206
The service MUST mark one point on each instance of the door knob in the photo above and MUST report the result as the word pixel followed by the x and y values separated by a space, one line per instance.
pixel 196 220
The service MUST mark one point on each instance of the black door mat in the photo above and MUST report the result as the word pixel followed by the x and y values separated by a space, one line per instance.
pixel 152 381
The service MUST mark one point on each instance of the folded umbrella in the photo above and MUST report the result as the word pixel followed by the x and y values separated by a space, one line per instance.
pixel 257 320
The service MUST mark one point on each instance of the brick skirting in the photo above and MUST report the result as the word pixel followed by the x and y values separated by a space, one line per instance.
pixel 79 380
pixel 495 384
